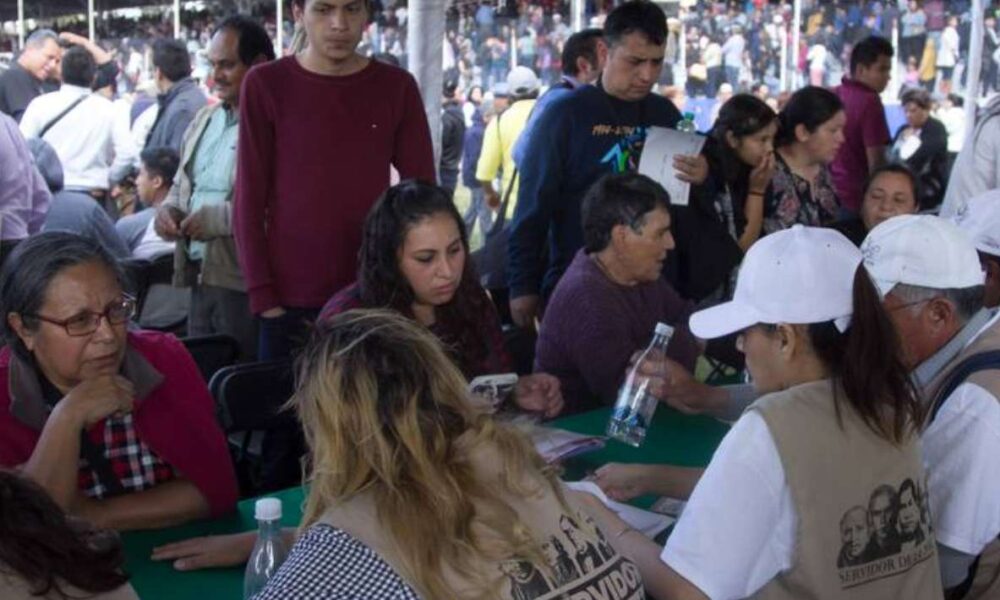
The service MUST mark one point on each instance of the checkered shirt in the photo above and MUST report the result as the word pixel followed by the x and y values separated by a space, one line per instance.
pixel 137 467
pixel 329 564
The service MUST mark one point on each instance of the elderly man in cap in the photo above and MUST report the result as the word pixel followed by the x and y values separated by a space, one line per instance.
pixel 980 219
pixel 500 135
pixel 929 274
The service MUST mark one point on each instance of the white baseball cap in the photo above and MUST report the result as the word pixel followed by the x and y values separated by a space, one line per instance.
pixel 921 250
pixel 522 80
pixel 979 218
pixel 800 275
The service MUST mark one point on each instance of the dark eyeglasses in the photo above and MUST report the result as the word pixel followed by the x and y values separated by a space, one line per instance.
pixel 86 323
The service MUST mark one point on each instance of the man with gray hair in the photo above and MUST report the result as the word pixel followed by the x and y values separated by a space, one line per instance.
pixel 930 277
pixel 27 77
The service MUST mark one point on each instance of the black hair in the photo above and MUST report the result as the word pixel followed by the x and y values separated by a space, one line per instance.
pixel 49 550
pixel 31 267
pixel 918 96
pixel 634 16
pixel 78 67
pixel 172 59
pixel 867 359
pixel 582 44
pixel 741 115
pixel 866 52
pixel 254 40
pixel 619 199
pixel 161 161
pixel 811 106
pixel 462 321
pixel 899 169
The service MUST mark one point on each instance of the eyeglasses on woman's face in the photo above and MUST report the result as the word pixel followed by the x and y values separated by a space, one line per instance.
pixel 87 322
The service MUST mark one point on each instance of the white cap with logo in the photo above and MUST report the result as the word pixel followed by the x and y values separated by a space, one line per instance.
pixel 522 80
pixel 979 218
pixel 921 250
pixel 800 275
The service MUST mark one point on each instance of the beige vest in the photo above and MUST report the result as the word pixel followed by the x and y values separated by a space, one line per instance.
pixel 582 564
pixel 986 583
pixel 863 529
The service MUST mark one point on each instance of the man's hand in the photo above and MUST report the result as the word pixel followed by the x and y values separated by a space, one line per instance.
pixel 96 399
pixel 273 313
pixel 539 393
pixel 193 226
pixel 524 310
pixel 168 223
pixel 692 169
pixel 672 384
pixel 209 551
pixel 71 38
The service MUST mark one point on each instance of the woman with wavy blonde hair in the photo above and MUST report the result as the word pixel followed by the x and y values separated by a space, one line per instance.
pixel 416 491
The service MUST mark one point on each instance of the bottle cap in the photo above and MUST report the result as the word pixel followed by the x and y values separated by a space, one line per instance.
pixel 689 116
pixel 663 329
pixel 267 509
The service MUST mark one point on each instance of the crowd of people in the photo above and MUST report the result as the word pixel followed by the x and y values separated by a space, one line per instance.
pixel 301 212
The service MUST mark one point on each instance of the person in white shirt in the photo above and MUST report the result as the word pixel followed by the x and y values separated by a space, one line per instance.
pixel 947 55
pixel 153 183
pixel 977 167
pixel 980 219
pixel 769 512
pixel 79 125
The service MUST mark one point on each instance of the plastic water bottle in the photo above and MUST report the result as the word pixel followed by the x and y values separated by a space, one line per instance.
pixel 269 551
pixel 686 125
pixel 634 409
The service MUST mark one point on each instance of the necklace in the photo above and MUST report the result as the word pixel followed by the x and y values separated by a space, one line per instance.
pixel 605 270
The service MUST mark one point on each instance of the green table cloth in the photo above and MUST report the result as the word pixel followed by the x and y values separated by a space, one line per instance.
pixel 673 438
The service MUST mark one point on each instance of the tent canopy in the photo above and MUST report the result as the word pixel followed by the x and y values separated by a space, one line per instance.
pixel 57 8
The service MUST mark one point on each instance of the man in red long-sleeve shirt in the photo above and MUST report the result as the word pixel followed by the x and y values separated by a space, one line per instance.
pixel 318 132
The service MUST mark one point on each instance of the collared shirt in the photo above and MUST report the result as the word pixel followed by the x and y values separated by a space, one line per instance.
pixel 960 448
pixel 134 464
pixel 24 196
pixel 88 138
pixel 213 166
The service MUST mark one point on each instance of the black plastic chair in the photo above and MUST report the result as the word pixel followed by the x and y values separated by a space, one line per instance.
pixel 143 273
pixel 249 399
pixel 212 352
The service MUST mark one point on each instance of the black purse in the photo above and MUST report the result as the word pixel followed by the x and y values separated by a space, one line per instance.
pixel 491 259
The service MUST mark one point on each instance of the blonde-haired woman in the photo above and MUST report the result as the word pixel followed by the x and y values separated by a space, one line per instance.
pixel 417 492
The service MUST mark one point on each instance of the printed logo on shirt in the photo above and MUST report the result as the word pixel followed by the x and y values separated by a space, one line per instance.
pixel 888 537
pixel 624 154
pixel 582 565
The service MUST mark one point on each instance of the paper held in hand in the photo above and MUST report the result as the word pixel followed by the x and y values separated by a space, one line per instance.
pixel 657 161
pixel 558 444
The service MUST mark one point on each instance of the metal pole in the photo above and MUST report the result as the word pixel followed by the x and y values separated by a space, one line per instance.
pixel 20 24
pixel 796 29
pixel 896 81
pixel 513 43
pixel 90 19
pixel 974 66
pixel 279 30
pixel 681 75
pixel 424 42
pixel 177 19
pixel 784 58
pixel 577 13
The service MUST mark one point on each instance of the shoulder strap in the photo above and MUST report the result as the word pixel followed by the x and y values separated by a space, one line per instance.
pixel 59 117
pixel 983 361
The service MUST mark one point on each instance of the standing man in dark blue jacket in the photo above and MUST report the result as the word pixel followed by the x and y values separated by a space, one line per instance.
pixel 594 130
pixel 472 147
pixel 180 98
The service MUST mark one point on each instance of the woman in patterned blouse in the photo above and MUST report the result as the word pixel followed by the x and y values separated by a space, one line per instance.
pixel 810 134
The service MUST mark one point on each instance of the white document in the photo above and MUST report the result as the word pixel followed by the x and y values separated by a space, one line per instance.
pixel 649 523
pixel 657 161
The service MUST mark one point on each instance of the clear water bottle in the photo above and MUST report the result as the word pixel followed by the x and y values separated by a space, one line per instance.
pixel 634 409
pixel 269 551
pixel 686 125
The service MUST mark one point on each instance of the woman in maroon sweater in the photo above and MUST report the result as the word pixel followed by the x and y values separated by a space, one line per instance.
pixel 414 259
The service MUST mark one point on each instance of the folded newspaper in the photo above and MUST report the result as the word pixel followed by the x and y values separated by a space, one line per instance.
pixel 558 444
pixel 651 524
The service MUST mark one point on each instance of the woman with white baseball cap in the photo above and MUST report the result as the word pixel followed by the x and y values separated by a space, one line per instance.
pixel 801 498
